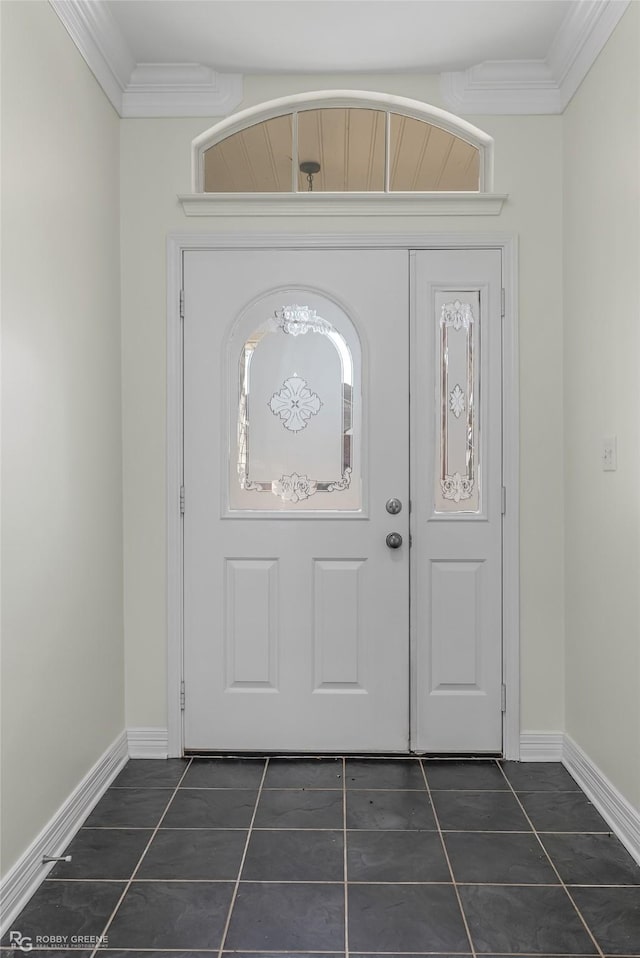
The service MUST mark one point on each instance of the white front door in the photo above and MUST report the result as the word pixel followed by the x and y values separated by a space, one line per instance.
pixel 296 612
pixel 298 366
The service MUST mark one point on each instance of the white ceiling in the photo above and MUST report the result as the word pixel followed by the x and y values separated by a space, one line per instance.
pixel 189 57
pixel 338 36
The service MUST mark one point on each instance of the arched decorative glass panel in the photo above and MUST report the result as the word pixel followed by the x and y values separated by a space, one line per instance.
pixel 295 407
pixel 335 149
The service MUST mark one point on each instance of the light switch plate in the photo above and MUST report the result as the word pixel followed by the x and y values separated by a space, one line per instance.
pixel 609 454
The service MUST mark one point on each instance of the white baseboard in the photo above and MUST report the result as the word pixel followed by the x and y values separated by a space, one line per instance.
pixel 23 879
pixel 541 746
pixel 620 815
pixel 148 742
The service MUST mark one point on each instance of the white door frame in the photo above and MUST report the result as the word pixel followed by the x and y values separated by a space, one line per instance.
pixel 177 244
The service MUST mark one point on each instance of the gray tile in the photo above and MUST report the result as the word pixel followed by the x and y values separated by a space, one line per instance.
pixel 211 808
pixel 562 812
pixel 389 810
pixel 285 917
pixel 172 915
pixel 130 808
pixel 592 860
pixel 47 953
pixel 103 853
pixel 470 811
pixel 194 854
pixel 500 858
pixel 539 777
pixel 381 773
pixel 613 916
pixel 304 773
pixel 446 774
pixel 149 773
pixel 374 856
pixel 297 808
pixel 288 861
pixel 224 773
pixel 303 856
pixel 511 919
pixel 108 953
pixel 405 918
pixel 67 908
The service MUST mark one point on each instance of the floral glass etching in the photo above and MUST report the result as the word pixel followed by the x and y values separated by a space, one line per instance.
pixel 295 425
pixel 295 404
pixel 457 487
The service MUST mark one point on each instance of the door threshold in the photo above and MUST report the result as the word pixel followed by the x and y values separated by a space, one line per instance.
pixel 445 756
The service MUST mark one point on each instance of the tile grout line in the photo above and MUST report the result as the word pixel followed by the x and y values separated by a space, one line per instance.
pixel 300 828
pixel 446 855
pixel 323 788
pixel 234 895
pixel 549 859
pixel 344 854
pixel 327 881
pixel 140 860
pixel 365 954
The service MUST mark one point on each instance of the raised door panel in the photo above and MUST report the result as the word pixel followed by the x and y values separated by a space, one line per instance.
pixel 338 620
pixel 455 636
pixel 251 625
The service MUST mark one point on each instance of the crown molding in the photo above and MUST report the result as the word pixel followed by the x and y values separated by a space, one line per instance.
pixel 144 89
pixel 180 89
pixel 537 86
pixel 580 39
pixel 502 87
pixel 193 89
pixel 100 41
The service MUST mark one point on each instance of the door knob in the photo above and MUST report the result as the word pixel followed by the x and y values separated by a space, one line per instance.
pixel 394 540
pixel 394 506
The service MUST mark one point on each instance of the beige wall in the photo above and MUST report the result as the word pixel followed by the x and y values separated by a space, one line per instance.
pixel 155 166
pixel 601 349
pixel 62 628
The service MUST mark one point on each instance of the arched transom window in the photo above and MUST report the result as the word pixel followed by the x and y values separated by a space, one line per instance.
pixel 342 142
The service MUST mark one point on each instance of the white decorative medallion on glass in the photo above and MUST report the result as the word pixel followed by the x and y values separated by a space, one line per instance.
pixel 295 424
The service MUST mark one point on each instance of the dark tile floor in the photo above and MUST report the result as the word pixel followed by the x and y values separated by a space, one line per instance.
pixel 342 858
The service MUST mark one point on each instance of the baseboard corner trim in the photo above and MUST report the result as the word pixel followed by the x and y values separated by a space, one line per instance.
pixel 148 742
pixel 620 815
pixel 24 878
pixel 541 746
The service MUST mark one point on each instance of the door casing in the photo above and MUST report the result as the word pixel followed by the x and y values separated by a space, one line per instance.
pixel 177 243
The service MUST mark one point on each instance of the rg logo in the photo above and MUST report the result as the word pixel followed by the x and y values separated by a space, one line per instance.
pixel 18 940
